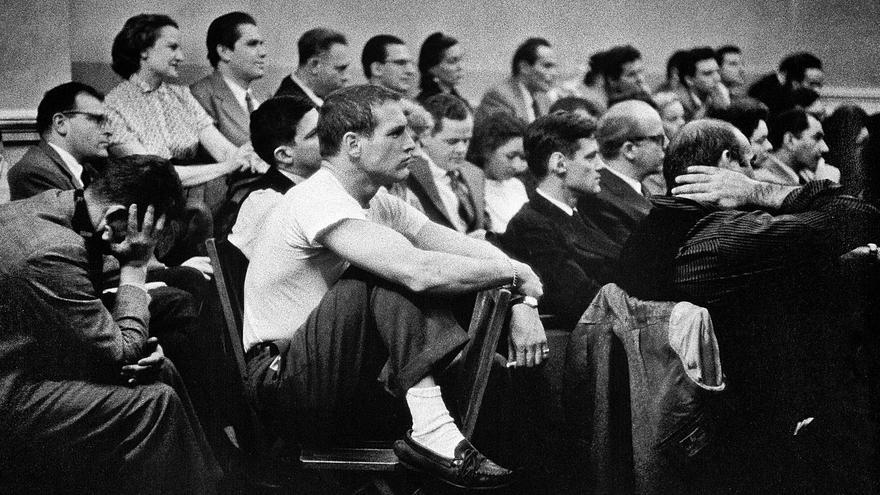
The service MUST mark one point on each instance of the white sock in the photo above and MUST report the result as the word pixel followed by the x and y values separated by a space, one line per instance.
pixel 433 427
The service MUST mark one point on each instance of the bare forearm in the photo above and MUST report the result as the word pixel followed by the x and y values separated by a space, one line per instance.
pixel 193 175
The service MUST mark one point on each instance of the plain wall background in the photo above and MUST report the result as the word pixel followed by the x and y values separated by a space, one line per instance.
pixel 45 41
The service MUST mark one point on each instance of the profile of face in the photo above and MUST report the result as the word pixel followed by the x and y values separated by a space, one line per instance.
pixel 85 133
pixel 306 152
pixel 397 72
pixel 705 78
pixel 732 71
pixel 247 58
pixel 632 79
pixel 540 76
pixel 449 70
pixel 807 149
pixel 330 69
pixel 385 156
pixel 581 169
pixel 741 161
pixel 161 59
pixel 760 144
pixel 672 115
pixel 448 147
pixel 648 149
pixel 506 161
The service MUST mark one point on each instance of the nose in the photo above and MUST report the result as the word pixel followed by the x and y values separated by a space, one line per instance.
pixel 823 146
pixel 519 165
pixel 408 144
pixel 767 145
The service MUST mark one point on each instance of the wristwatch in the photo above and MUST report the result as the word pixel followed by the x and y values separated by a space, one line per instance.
pixel 529 301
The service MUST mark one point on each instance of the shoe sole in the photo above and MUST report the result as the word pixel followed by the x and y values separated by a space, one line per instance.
pixel 450 483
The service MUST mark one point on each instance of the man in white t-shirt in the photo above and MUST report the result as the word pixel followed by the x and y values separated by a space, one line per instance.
pixel 346 280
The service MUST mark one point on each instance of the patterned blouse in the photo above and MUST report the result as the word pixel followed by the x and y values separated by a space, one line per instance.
pixel 166 120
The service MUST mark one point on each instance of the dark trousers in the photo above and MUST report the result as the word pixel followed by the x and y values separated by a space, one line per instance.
pixel 71 436
pixel 316 386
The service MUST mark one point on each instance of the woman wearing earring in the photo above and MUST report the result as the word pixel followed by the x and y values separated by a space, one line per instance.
pixel 440 66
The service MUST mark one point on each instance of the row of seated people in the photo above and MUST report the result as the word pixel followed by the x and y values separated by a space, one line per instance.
pixel 570 219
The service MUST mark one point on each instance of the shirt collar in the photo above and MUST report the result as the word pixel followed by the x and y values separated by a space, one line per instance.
pixel 559 204
pixel 296 179
pixel 307 90
pixel 72 164
pixel 142 85
pixel 437 172
pixel 636 185
pixel 528 98
pixel 238 92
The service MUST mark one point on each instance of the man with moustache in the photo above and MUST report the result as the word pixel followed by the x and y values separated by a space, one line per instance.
pixel 323 66
pixel 73 138
pixel 525 93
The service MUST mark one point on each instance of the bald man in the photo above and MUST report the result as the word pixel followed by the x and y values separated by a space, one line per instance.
pixel 631 143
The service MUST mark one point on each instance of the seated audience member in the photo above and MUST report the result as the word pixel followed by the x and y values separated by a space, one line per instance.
pixel 73 137
pixel 80 408
pixel 673 68
pixel 749 116
pixel 798 70
pixel 798 144
pixel 497 148
pixel 577 105
pixel 323 66
pixel 449 189
pixel 386 62
pixel 149 115
pixel 525 93
pixel 237 53
pixel 572 256
pixel 631 141
pixel 440 66
pixel 623 73
pixel 806 98
pixel 724 241
pixel 731 69
pixel 283 135
pixel 419 124
pixel 701 86
pixel 672 113
pixel 348 279
pixel 845 134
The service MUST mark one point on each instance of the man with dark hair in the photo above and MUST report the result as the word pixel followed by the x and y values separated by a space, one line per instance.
pixel 673 69
pixel 631 142
pixel 573 257
pixel 731 70
pixel 798 142
pixel 283 132
pixel 345 281
pixel 798 70
pixel 323 66
pixel 81 408
pixel 525 92
pixel 73 136
pixel 449 190
pixel 750 117
pixel 724 241
pixel 386 62
pixel 622 71
pixel 237 53
pixel 701 84
pixel 575 104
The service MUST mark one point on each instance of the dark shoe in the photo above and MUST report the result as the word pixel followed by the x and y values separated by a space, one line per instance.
pixel 469 469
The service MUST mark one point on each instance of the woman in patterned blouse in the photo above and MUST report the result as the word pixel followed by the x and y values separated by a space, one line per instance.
pixel 149 115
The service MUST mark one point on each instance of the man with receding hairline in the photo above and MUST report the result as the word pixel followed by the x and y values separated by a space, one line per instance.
pixel 323 66
pixel 631 142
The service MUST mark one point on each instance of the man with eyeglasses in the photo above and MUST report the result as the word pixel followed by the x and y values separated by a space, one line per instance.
pixel 387 63
pixel 73 140
pixel 631 144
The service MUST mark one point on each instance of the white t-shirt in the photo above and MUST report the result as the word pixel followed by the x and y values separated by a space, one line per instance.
pixel 504 198
pixel 290 270
pixel 251 217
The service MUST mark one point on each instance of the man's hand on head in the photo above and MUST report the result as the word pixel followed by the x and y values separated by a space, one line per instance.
pixel 136 249
pixel 728 189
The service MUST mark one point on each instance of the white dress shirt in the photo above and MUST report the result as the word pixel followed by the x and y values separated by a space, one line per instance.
pixel 73 166
pixel 447 195
pixel 239 93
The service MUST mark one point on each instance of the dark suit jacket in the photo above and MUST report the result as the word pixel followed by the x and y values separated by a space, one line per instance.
pixel 289 87
pixel 573 258
pixel 41 168
pixel 507 97
pixel 239 191
pixel 421 183
pixel 231 119
pixel 617 209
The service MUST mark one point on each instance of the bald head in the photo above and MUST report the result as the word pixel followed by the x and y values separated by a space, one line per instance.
pixel 707 142
pixel 631 134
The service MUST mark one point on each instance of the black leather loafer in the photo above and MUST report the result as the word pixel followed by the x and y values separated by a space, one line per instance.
pixel 468 469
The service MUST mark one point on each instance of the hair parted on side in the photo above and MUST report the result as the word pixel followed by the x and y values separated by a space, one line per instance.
pixel 223 31
pixel 61 98
pixel 350 109
pixel 555 132
pixel 374 51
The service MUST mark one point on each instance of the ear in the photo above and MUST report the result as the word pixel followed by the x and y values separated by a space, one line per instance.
pixel 224 53
pixel 312 64
pixel 556 164
pixel 689 81
pixel 628 150
pixel 351 145
pixel 523 66
pixel 788 140
pixel 114 224
pixel 376 68
pixel 59 124
pixel 283 154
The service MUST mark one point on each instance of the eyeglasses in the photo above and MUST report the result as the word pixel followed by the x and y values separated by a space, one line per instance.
pixel 658 139
pixel 400 62
pixel 97 118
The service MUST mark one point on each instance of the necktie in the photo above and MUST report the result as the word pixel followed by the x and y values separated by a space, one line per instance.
pixel 249 102
pixel 645 192
pixel 466 209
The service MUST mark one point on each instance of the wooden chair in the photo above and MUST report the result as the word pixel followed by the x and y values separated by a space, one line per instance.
pixel 490 310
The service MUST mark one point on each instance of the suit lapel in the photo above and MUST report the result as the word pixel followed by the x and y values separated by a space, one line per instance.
pixel 623 195
pixel 56 159
pixel 421 173
pixel 582 236
pixel 477 189
pixel 226 100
